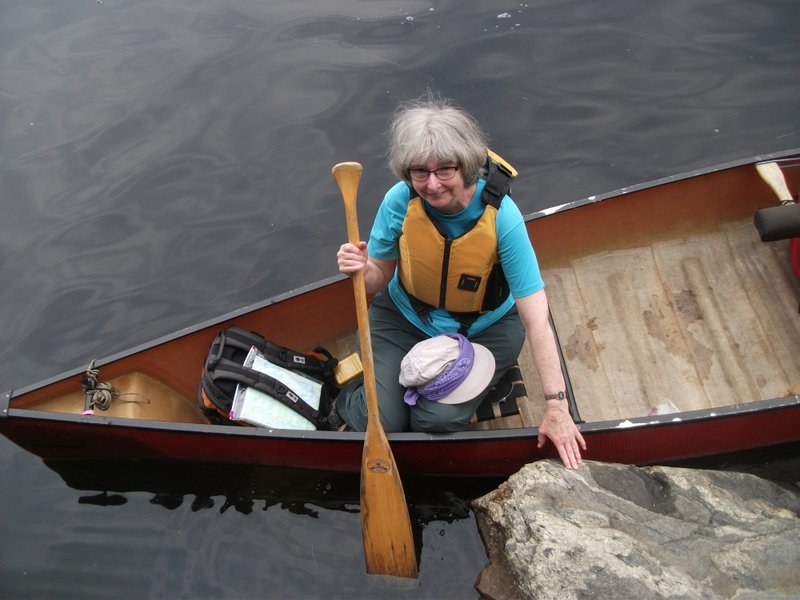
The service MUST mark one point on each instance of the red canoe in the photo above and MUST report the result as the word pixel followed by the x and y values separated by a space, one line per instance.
pixel 678 327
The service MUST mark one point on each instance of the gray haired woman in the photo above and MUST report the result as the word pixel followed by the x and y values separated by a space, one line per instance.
pixel 448 255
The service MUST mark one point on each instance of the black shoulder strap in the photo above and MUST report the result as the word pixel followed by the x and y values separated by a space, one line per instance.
pixel 284 357
pixel 230 371
pixel 498 183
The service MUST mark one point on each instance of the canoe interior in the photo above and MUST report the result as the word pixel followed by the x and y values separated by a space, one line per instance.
pixel 664 300
pixel 694 322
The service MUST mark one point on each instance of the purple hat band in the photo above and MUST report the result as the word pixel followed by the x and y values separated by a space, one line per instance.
pixel 452 377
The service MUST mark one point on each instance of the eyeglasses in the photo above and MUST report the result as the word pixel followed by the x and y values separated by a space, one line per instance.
pixel 442 173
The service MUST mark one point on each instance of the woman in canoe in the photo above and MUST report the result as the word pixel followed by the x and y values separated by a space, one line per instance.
pixel 457 285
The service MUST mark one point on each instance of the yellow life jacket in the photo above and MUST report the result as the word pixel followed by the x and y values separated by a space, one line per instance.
pixel 463 275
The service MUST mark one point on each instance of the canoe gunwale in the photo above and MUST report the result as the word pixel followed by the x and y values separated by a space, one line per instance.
pixel 706 414
pixel 170 337
pixel 624 191
pixel 650 440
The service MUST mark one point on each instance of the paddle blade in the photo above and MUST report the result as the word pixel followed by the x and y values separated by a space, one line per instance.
pixel 771 174
pixel 385 523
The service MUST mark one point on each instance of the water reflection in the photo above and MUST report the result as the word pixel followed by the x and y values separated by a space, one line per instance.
pixel 240 487
pixel 236 531
pixel 245 488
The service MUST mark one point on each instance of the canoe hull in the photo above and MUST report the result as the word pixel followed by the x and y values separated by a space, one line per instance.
pixel 35 418
pixel 666 438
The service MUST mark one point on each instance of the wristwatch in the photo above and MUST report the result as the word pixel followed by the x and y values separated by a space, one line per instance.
pixel 556 396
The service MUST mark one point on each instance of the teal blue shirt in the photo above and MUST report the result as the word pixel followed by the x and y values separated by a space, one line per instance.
pixel 516 254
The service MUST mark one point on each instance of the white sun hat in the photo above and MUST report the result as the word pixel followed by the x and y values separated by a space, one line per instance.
pixel 446 368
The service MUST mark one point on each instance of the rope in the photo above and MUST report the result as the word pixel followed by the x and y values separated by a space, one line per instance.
pixel 102 394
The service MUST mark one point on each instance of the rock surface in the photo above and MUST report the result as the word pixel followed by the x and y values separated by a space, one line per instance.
pixel 619 531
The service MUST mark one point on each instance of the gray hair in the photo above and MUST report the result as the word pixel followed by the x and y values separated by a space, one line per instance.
pixel 432 128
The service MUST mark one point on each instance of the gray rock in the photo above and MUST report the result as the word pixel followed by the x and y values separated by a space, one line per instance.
pixel 618 531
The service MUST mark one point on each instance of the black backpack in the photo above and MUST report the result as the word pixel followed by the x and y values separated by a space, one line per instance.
pixel 224 370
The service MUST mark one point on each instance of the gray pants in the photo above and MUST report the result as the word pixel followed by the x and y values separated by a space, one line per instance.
pixel 392 337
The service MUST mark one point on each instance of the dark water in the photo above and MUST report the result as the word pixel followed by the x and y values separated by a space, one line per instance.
pixel 165 162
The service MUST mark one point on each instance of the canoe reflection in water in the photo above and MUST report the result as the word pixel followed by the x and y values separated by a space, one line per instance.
pixel 246 488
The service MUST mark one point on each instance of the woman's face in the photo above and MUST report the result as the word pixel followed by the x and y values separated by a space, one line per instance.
pixel 446 195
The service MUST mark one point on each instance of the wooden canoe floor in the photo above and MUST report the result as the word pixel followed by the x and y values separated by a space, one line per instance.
pixel 705 320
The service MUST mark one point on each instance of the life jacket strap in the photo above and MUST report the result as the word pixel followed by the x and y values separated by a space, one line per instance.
pixel 423 310
pixel 498 182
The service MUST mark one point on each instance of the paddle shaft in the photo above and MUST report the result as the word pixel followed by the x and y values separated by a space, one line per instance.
pixel 359 287
pixel 385 522
pixel 771 174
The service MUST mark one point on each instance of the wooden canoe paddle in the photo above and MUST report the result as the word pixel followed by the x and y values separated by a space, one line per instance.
pixel 385 523
pixel 771 174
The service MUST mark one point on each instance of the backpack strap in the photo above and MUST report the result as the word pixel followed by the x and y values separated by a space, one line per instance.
pixel 322 368
pixel 230 371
